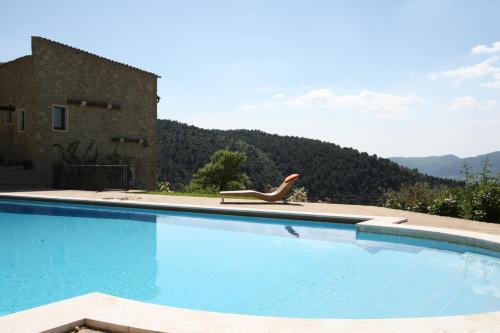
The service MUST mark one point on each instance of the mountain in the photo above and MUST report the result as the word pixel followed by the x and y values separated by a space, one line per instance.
pixel 449 166
pixel 329 172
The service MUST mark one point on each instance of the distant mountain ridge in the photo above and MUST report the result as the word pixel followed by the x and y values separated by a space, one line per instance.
pixel 329 172
pixel 449 166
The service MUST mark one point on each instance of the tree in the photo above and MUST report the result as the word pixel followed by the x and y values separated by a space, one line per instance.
pixel 258 165
pixel 222 173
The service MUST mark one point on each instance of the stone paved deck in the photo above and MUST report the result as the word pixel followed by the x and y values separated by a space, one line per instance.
pixel 413 218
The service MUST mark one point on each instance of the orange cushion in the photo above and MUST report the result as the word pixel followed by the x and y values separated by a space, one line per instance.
pixel 292 177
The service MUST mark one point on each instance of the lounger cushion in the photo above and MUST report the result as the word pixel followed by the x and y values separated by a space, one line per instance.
pixel 292 177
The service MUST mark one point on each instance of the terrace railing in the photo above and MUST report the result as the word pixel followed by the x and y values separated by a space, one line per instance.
pixel 91 177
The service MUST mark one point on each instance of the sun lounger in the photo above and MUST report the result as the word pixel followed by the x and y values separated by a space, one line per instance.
pixel 279 194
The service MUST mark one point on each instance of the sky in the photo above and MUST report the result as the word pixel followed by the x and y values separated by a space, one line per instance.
pixel 392 78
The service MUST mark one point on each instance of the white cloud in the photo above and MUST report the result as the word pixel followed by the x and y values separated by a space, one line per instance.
pixel 471 103
pixel 480 49
pixel 487 70
pixel 492 84
pixel 366 100
pixel 495 84
pixel 480 70
pixel 491 103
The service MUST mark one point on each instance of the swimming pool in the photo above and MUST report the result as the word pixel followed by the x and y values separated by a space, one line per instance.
pixel 245 265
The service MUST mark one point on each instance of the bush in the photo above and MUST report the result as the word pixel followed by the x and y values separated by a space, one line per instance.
pixel 478 200
pixel 417 197
pixel 163 186
pixel 481 197
pixel 298 195
pixel 222 173
pixel 447 203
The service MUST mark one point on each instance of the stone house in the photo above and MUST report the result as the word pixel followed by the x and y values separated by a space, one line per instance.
pixel 60 97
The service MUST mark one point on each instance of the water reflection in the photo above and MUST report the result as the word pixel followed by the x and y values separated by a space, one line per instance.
pixel 377 242
pixel 74 211
pixel 292 231
pixel 270 227
pixel 49 253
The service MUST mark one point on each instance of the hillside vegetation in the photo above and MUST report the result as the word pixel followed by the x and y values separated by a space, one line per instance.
pixel 478 200
pixel 329 172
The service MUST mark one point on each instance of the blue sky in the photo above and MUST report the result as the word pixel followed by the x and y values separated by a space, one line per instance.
pixel 393 78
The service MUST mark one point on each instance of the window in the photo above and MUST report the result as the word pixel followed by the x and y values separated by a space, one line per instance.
pixel 8 117
pixel 21 121
pixel 59 118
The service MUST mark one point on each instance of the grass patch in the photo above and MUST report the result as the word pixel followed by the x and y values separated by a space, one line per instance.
pixel 186 194
pixel 201 195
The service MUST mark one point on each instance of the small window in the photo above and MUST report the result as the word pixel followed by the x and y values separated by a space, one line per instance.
pixel 21 121
pixel 8 117
pixel 59 118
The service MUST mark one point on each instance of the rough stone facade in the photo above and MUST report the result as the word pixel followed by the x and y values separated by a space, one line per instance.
pixel 16 78
pixel 56 73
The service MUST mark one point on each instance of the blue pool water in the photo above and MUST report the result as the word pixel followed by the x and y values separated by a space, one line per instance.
pixel 246 265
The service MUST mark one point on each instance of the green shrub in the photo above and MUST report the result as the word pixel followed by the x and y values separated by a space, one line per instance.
pixel 481 202
pixel 481 197
pixel 416 197
pixel 298 194
pixel 222 173
pixel 163 186
pixel 478 200
pixel 447 203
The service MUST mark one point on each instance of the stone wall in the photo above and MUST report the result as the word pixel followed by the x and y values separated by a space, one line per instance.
pixel 63 73
pixel 60 73
pixel 17 88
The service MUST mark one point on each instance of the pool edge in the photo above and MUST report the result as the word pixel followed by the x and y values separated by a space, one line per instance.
pixel 117 314
pixel 341 218
pixel 364 223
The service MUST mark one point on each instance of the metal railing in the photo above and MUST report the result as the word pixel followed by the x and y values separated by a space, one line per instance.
pixel 91 177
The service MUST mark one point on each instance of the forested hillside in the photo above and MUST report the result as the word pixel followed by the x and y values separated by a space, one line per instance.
pixel 329 172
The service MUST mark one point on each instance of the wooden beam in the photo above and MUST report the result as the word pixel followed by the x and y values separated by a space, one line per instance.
pixel 9 108
pixel 142 141
pixel 98 104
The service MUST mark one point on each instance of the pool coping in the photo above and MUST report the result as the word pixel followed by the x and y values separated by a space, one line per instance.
pixel 124 315
pixel 342 218
pixel 364 223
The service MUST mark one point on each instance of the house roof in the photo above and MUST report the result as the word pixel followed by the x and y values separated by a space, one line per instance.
pixel 95 55
pixel 17 59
